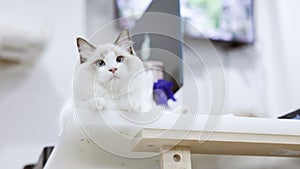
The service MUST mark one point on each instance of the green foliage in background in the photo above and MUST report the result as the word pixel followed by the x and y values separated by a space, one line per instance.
pixel 211 7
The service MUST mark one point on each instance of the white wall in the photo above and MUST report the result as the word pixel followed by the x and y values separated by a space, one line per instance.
pixel 260 78
pixel 30 102
pixel 263 78
pixel 274 39
pixel 290 33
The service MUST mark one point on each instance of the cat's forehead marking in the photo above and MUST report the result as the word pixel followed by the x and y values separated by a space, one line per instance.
pixel 109 54
pixel 110 51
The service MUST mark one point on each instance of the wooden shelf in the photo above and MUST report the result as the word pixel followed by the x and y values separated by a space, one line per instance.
pixel 232 136
pixel 88 148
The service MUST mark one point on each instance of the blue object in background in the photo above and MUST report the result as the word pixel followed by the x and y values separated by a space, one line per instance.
pixel 297 117
pixel 163 92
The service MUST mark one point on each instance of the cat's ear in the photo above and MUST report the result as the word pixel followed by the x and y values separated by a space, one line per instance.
pixel 124 41
pixel 84 48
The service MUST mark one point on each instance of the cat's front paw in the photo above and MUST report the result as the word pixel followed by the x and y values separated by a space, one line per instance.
pixel 94 106
pixel 124 109
pixel 141 107
pixel 98 108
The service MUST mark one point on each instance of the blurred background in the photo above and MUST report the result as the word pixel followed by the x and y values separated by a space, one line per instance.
pixel 38 54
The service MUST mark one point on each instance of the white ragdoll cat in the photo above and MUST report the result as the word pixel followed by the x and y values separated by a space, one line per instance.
pixel 110 77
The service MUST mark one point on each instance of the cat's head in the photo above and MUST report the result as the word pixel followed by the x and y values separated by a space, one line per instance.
pixel 109 63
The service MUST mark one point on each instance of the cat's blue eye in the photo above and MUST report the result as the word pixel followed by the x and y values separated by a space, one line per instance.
pixel 120 59
pixel 100 63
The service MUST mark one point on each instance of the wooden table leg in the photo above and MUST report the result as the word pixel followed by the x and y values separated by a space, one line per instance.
pixel 178 157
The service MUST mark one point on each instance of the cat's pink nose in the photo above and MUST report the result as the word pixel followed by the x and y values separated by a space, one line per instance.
pixel 113 70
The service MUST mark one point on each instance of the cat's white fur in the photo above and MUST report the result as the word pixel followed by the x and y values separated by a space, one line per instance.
pixel 128 89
